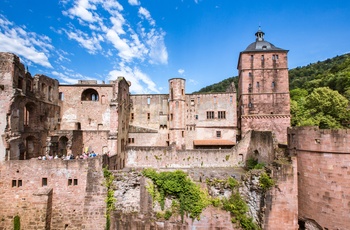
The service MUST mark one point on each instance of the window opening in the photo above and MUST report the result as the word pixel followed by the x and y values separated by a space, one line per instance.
pixel 222 114
pixel 210 114
pixel 43 182
pixel 218 133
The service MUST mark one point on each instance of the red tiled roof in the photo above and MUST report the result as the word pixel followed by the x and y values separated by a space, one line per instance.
pixel 213 142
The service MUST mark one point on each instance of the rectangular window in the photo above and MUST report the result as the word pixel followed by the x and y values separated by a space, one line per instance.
pixel 251 57
pixel 222 114
pixel 19 183
pixel 14 183
pixel 250 74
pixel 210 114
pixel 183 133
pixel 43 182
pixel 75 181
pixel 171 117
pixel 70 182
pixel 131 140
pixel 218 133
pixel 257 84
pixel 196 117
pixel 148 100
pixel 148 116
pixel 192 102
pixel 132 116
pixel 262 57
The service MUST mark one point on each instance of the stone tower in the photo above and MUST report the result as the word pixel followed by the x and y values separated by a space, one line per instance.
pixel 177 107
pixel 263 95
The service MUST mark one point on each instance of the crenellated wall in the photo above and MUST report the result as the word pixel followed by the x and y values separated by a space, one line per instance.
pixel 323 175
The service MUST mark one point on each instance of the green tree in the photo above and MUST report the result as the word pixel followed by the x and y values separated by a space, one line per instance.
pixel 325 108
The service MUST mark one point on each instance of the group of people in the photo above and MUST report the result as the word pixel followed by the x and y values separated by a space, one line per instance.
pixel 70 156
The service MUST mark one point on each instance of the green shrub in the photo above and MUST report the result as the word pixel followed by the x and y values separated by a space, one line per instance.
pixel 251 162
pixel 265 181
pixel 110 200
pixel 259 166
pixel 192 200
pixel 17 223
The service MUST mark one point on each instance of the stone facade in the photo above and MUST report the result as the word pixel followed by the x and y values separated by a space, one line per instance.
pixel 52 194
pixel 263 89
pixel 323 176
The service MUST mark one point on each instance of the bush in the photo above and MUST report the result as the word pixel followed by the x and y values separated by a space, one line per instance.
pixel 265 181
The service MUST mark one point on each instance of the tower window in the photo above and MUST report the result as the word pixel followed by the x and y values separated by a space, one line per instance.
pixel 218 134
pixel 132 116
pixel 257 84
pixel 148 100
pixel 148 116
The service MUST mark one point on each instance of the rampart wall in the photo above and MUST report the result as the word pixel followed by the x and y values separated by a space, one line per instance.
pixel 255 144
pixel 52 194
pixel 323 175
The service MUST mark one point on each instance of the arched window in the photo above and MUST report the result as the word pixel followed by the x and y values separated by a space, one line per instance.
pixel 89 95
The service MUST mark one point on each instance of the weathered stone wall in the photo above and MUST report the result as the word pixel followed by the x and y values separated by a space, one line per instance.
pixel 282 200
pixel 323 174
pixel 255 144
pixel 73 197
pixel 29 110
pixel 135 208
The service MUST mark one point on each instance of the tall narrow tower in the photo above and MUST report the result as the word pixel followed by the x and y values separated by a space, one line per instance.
pixel 263 95
pixel 177 112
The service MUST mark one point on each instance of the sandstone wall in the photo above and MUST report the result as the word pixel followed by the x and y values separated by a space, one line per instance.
pixel 282 199
pixel 323 174
pixel 52 194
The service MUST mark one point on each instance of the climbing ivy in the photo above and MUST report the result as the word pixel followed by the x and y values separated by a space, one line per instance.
pixel 191 199
pixel 110 200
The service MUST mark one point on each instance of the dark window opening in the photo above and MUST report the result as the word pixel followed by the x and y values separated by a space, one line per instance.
pixel 132 116
pixel 222 114
pixel 44 182
pixel 210 114
pixel 218 133
pixel 70 182
pixel 75 181
pixel 148 116
pixel 61 96
pixel 183 133
pixel 20 83
pixel 19 183
pixel 14 183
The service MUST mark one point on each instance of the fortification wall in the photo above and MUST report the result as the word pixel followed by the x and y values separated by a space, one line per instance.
pixel 256 143
pixel 281 200
pixel 323 175
pixel 52 194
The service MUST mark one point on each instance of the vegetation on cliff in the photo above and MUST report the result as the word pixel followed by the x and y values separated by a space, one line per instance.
pixel 320 93
pixel 110 200
pixel 189 198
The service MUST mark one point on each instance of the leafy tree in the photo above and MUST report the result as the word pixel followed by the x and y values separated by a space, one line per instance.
pixel 324 107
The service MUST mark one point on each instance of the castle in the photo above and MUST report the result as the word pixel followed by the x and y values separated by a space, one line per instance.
pixel 175 130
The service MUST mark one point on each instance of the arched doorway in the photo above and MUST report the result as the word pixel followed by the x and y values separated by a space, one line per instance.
pixel 62 146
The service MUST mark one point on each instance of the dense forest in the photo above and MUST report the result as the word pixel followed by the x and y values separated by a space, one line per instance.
pixel 320 93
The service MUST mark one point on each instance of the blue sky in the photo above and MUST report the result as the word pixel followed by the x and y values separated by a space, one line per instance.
pixel 151 41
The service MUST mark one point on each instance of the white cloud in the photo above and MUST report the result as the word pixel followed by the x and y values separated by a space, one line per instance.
pixel 81 10
pixel 144 13
pixel 193 82
pixel 140 82
pixel 92 44
pixel 134 2
pixel 28 45
pixel 181 71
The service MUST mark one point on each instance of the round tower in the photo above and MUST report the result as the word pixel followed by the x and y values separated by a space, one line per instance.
pixel 176 113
